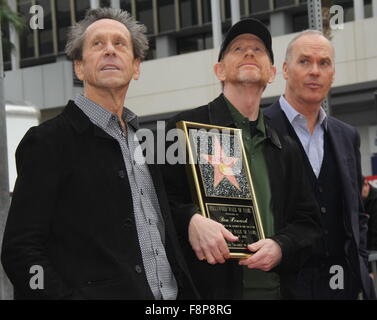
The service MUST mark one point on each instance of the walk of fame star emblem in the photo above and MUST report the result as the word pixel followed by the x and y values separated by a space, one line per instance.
pixel 222 165
pixel 220 182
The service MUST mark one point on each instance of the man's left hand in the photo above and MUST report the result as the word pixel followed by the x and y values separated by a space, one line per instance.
pixel 267 254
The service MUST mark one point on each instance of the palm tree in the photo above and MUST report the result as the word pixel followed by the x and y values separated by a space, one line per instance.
pixel 8 16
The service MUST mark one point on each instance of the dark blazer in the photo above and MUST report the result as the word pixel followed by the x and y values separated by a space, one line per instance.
pixel 296 214
pixel 370 205
pixel 72 213
pixel 346 145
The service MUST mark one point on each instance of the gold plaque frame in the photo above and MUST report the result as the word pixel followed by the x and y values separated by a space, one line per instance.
pixel 232 208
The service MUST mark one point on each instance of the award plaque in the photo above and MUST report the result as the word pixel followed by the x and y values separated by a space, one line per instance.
pixel 221 182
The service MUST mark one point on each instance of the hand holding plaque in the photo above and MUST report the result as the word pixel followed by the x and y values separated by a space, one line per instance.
pixel 221 182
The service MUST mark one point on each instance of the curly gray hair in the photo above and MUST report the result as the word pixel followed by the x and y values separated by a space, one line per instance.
pixel 76 34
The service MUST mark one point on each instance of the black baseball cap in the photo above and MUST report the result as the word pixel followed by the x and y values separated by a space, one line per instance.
pixel 252 26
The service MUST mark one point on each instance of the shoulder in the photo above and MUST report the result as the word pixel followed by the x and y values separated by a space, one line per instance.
pixel 52 126
pixel 48 136
pixel 194 115
pixel 340 125
pixel 272 110
pixel 49 130
pixel 344 132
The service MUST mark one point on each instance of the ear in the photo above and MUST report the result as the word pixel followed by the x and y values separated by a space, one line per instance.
pixel 79 69
pixel 136 67
pixel 333 77
pixel 219 71
pixel 272 74
pixel 285 70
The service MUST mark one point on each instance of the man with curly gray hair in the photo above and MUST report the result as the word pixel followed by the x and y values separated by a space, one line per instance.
pixel 137 31
pixel 94 221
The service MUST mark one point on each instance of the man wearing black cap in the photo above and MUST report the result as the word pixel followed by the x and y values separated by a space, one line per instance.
pixel 288 210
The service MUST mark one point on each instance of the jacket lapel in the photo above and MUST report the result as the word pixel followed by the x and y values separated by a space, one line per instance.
pixel 336 139
pixel 340 151
pixel 337 145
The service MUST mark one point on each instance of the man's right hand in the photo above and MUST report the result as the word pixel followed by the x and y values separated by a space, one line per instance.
pixel 208 239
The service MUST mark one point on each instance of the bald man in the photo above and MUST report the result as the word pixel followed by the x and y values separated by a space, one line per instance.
pixel 337 268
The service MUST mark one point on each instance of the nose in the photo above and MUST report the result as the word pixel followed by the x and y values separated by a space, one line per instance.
pixel 109 49
pixel 314 69
pixel 249 51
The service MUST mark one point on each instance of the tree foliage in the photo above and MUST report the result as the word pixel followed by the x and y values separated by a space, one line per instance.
pixel 9 17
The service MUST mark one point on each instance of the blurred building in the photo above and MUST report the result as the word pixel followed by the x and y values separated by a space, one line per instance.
pixel 178 73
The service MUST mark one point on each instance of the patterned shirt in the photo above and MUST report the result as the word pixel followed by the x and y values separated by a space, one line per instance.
pixel 149 222
pixel 313 144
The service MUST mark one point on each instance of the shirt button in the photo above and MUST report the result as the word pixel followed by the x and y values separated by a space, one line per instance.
pixel 150 221
pixel 141 192
pixel 138 269
pixel 121 174
pixel 156 251
pixel 320 189
pixel 161 285
pixel 323 210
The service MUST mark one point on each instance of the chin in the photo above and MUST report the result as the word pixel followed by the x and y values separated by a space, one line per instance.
pixel 317 98
pixel 314 101
pixel 113 84
pixel 249 79
pixel 249 75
